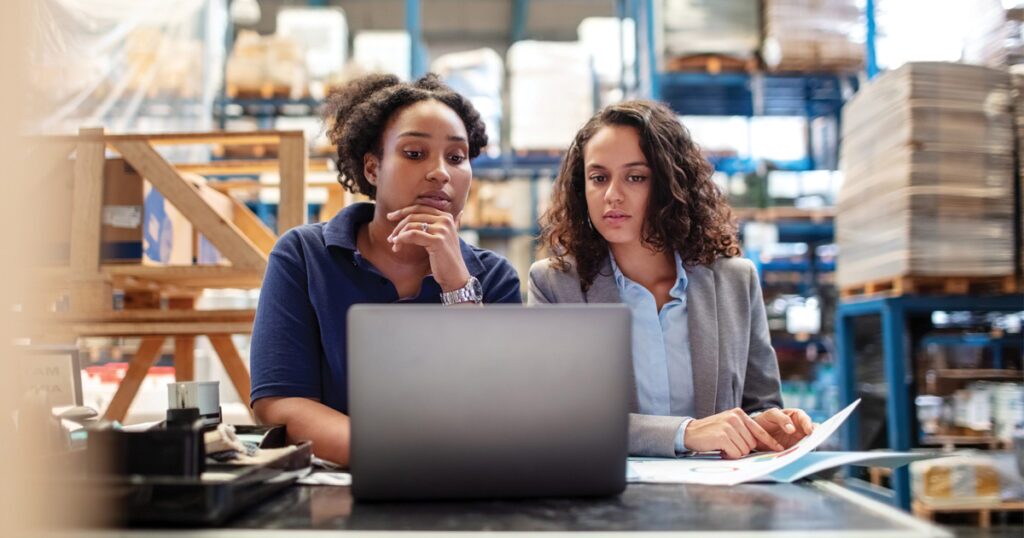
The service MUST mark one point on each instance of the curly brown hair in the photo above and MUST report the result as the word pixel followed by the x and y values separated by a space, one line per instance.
pixel 686 211
pixel 357 113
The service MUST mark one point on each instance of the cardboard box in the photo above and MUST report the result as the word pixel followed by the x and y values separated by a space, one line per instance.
pixel 139 225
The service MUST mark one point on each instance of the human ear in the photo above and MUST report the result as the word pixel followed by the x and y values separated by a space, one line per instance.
pixel 370 166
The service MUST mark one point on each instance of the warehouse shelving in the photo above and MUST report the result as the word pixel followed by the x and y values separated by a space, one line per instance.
pixel 902 320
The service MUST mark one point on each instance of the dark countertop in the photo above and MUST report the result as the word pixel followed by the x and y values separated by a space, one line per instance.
pixel 806 506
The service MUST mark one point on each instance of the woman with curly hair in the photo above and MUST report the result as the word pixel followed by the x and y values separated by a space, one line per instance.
pixel 408 147
pixel 636 219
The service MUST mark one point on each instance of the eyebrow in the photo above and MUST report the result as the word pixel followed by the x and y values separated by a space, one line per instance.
pixel 627 165
pixel 421 134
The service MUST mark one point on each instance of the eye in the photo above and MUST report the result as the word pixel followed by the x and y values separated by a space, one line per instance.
pixel 457 158
pixel 597 178
pixel 636 179
pixel 413 154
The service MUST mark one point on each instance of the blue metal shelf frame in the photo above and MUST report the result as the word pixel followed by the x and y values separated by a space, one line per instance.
pixel 894 312
pixel 995 345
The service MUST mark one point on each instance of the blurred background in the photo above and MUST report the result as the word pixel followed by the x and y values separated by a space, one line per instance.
pixel 870 150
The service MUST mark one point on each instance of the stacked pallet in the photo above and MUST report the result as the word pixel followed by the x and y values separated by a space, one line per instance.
pixel 1017 78
pixel 725 28
pixel 813 35
pixel 265 67
pixel 995 33
pixel 927 154
pixel 551 89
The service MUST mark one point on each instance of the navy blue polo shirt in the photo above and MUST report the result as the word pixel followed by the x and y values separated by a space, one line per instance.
pixel 315 273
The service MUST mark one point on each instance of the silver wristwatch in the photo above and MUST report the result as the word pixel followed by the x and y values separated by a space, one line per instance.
pixel 472 292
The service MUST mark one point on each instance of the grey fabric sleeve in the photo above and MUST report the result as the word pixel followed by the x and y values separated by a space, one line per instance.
pixel 536 289
pixel 653 435
pixel 762 389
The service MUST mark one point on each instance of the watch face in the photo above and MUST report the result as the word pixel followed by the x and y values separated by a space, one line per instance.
pixel 476 289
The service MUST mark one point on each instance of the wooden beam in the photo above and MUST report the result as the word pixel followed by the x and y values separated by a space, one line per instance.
pixel 251 185
pixel 158 328
pixel 155 315
pixel 157 277
pixel 233 365
pixel 145 357
pixel 224 235
pixel 229 167
pixel 188 138
pixel 294 161
pixel 184 345
pixel 252 226
pixel 192 276
pixel 89 291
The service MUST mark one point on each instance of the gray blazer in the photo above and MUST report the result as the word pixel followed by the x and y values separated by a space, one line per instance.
pixel 734 364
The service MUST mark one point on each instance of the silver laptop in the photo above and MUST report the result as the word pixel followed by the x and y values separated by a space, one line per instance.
pixel 488 402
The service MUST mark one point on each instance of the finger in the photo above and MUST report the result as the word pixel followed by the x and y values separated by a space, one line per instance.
pixel 414 236
pixel 780 419
pixel 801 418
pixel 730 448
pixel 740 427
pixel 416 219
pixel 406 211
pixel 762 435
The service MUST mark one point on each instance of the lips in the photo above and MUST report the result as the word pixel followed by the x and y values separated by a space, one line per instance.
pixel 615 216
pixel 439 200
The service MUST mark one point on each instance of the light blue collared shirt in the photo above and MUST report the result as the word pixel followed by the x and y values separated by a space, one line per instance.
pixel 661 349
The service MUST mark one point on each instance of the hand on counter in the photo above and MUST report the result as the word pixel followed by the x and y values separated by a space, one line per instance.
pixel 732 432
pixel 786 426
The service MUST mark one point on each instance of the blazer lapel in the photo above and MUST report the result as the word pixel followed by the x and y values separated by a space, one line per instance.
pixel 603 290
pixel 702 321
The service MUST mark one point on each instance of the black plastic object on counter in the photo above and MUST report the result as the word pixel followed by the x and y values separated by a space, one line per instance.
pixel 162 477
pixel 173 449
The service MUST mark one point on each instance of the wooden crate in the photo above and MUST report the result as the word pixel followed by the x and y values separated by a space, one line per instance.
pixel 934 285
pixel 984 511
pixel 711 64
pixel 241 238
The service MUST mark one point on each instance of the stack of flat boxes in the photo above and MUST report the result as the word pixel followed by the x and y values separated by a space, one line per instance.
pixel 813 35
pixel 927 154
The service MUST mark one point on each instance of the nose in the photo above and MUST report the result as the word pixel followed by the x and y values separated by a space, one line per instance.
pixel 439 172
pixel 614 192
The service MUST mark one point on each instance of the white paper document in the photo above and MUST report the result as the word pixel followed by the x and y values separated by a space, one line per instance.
pixel 789 465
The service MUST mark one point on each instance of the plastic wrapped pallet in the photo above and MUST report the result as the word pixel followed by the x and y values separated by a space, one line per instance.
pixel 551 87
pixel 727 27
pixel 955 480
pixel 611 42
pixel 384 52
pixel 322 33
pixel 927 156
pixel 269 65
pixel 1017 75
pixel 129 66
pixel 995 33
pixel 813 35
pixel 477 74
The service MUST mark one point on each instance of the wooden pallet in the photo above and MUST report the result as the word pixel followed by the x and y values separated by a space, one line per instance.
pixel 267 90
pixel 773 214
pixel 712 64
pixel 984 511
pixel 245 152
pixel 935 285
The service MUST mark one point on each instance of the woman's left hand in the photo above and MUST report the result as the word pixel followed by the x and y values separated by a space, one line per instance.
pixel 438 233
pixel 787 426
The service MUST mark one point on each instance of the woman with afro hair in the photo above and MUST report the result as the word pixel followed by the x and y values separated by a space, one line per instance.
pixel 407 146
pixel 636 219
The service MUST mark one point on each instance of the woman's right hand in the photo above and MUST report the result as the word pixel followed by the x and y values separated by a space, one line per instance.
pixel 732 432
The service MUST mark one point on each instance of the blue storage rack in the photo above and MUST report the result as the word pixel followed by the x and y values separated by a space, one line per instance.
pixel 895 313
